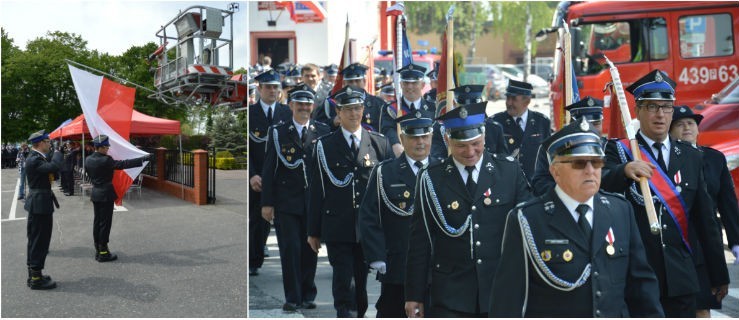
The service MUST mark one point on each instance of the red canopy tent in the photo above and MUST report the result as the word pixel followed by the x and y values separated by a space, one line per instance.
pixel 141 125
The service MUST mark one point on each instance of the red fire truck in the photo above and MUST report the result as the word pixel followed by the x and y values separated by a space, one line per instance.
pixel 695 42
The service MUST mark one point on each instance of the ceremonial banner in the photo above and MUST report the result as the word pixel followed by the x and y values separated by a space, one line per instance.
pixel 107 106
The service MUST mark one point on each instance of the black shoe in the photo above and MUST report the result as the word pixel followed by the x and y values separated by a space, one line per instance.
pixel 21 198
pixel 344 313
pixel 103 254
pixel 308 305
pixel 289 307
pixel 253 271
pixel 38 281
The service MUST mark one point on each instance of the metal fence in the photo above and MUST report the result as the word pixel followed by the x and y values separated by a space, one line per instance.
pixel 151 168
pixel 177 171
pixel 211 175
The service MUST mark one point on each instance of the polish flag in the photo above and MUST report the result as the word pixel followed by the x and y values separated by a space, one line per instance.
pixel 395 10
pixel 107 106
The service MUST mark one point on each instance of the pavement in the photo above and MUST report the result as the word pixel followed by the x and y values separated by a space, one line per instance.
pixel 266 294
pixel 175 259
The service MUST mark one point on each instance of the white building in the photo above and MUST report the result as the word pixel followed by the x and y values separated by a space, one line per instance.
pixel 272 32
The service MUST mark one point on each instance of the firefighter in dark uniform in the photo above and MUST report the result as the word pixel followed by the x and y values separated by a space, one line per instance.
pixel 343 161
pixel 285 200
pixel 689 237
pixel 524 129
pixel 589 108
pixel 385 213
pixel 263 114
pixel 457 223
pixel 574 252
pixel 354 75
pixel 684 126
pixel 40 203
pixel 387 93
pixel 494 143
pixel 430 96
pixel 99 166
pixel 411 82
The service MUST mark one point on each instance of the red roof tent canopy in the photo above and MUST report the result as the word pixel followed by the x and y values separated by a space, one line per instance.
pixel 141 125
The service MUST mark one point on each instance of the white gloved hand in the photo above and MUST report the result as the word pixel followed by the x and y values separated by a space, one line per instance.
pixel 379 266
pixel 735 251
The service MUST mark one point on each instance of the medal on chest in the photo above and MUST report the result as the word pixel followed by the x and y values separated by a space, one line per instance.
pixel 610 238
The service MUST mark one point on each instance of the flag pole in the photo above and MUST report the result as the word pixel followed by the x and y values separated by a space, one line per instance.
pixel 450 58
pixel 567 47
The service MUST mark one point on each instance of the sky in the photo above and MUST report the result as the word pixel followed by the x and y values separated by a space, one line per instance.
pixel 110 26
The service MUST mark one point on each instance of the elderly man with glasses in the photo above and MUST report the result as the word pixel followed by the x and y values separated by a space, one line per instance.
pixel 588 108
pixel 574 252
pixel 690 238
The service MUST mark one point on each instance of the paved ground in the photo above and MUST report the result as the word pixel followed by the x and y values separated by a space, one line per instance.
pixel 175 259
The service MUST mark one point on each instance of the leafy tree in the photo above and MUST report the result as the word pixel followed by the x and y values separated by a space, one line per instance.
pixel 427 17
pixel 227 133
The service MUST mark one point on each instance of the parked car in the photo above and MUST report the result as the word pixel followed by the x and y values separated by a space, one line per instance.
pixel 542 70
pixel 541 86
pixel 496 82
pixel 720 126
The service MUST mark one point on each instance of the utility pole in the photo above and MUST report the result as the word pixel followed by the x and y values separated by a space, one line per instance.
pixel 473 41
pixel 527 44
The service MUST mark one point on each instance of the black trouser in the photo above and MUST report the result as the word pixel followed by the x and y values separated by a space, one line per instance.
pixel 441 312
pixel 391 303
pixel 38 231
pixel 68 181
pixel 347 261
pixel 258 230
pixel 297 258
pixel 103 221
pixel 679 307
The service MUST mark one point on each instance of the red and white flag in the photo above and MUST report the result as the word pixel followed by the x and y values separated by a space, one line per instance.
pixel 107 106
pixel 395 10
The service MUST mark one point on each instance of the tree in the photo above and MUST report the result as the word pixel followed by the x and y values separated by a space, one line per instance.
pixel 426 17
pixel 519 20
pixel 228 133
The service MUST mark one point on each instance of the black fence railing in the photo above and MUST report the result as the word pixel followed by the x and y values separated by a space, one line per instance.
pixel 151 168
pixel 211 175
pixel 177 171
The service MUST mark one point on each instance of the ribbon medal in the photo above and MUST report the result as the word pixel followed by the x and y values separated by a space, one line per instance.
pixel 367 161
pixel 567 255
pixel 487 200
pixel 678 178
pixel 610 238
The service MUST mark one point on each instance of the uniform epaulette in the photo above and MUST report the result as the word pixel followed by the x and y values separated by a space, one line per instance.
pixel 538 114
pixel 503 157
pixel 386 161
pixel 376 133
pixel 320 124
pixel 528 203
pixel 613 194
pixel 324 136
pixel 439 163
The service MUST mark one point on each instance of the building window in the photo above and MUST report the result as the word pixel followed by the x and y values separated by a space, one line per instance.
pixel 706 36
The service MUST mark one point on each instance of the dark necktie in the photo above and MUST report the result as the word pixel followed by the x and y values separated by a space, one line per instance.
pixel 660 158
pixel 411 107
pixel 582 221
pixel 303 134
pixel 355 150
pixel 519 122
pixel 269 116
pixel 418 164
pixel 471 185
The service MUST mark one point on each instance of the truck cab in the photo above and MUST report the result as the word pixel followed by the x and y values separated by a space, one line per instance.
pixel 695 42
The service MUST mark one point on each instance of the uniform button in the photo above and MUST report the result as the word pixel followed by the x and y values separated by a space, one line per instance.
pixel 357 193
pixel 597 312
pixel 664 227
pixel 474 208
pixel 479 261
pixel 477 243
pixel 597 294
pixel 595 274
pixel 497 200
pixel 355 168
pixel 438 265
pixel 477 226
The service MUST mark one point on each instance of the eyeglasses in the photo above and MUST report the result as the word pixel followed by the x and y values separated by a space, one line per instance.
pixel 579 164
pixel 652 108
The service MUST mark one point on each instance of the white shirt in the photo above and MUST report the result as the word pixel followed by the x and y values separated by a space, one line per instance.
pixel 413 163
pixel 266 107
pixel 572 204
pixel 299 127
pixel 665 148
pixel 357 136
pixel 524 117
pixel 416 104
pixel 463 171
